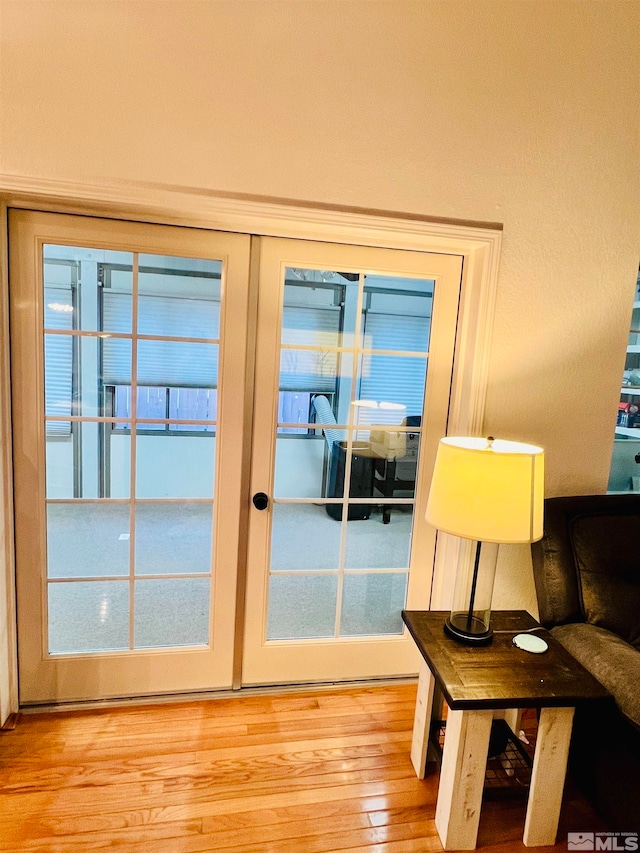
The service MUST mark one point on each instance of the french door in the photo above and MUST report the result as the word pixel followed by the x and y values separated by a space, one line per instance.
pixel 354 363
pixel 139 397
pixel 128 427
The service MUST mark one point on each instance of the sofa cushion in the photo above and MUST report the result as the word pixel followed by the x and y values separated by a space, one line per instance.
pixel 607 554
pixel 608 658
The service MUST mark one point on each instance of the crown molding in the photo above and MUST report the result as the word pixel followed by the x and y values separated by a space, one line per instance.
pixel 250 214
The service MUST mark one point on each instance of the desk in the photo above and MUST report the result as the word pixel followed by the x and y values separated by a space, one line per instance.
pixel 475 681
pixel 386 481
pixel 394 467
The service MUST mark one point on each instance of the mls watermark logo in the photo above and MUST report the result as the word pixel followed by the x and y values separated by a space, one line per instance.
pixel 602 841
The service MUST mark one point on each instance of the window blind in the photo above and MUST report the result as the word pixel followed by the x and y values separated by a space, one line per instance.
pixel 162 363
pixel 395 378
pixel 312 369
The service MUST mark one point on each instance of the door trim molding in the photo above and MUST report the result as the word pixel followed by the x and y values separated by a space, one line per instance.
pixel 8 617
pixel 240 212
pixel 478 243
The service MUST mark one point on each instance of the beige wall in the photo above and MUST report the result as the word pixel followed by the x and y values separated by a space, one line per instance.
pixel 523 112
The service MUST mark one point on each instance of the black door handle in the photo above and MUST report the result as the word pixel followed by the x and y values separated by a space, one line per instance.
pixel 260 500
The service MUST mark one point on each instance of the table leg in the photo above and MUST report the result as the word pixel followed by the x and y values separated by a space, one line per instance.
pixel 422 721
pixel 464 760
pixel 547 777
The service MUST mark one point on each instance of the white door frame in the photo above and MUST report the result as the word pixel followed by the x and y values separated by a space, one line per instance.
pixel 479 244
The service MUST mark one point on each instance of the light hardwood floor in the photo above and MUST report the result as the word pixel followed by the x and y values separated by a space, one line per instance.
pixel 306 772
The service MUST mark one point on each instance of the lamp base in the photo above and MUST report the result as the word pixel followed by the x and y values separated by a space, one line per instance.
pixel 472 630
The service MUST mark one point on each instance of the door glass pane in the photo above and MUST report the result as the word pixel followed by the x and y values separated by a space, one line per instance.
pixel 115 356
pixel 300 467
pixel 60 468
pixel 395 384
pixel 173 538
pixel 172 612
pixel 90 463
pixel 372 604
pixel 174 465
pixel 86 616
pixel 397 313
pixel 151 403
pixel 313 308
pixel 58 367
pixel 191 404
pixel 163 363
pixel 88 539
pixel 353 371
pixel 311 370
pixel 303 538
pixel 117 475
pixel 301 606
pixel 380 546
pixel 117 299
pixel 179 297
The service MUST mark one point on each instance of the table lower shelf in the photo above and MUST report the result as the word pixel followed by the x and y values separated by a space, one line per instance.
pixel 508 773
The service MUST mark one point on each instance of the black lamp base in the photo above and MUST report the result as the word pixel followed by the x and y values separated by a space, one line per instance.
pixel 472 631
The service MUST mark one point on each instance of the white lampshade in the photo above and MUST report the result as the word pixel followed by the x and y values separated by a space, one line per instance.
pixel 488 490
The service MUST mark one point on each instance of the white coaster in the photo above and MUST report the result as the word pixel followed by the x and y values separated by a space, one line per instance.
pixel 530 643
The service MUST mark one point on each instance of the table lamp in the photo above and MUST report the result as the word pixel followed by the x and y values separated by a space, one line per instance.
pixel 492 492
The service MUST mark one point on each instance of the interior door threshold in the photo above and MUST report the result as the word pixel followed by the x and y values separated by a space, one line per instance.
pixel 168 698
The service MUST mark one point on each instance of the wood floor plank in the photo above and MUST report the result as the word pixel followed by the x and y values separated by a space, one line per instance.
pixel 91 773
pixel 93 810
pixel 409 845
pixel 306 838
pixel 419 802
pixel 210 766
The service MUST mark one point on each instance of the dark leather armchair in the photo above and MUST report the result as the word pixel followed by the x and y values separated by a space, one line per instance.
pixel 587 576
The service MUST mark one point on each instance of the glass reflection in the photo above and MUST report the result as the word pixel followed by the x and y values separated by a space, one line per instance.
pixel 303 538
pixel 315 371
pixel 73 529
pixel 395 454
pixel 172 612
pixel 300 470
pixel 314 305
pixel 373 545
pixel 173 538
pixel 179 297
pixel 58 372
pixel 372 604
pixel 394 385
pixel 89 616
pixel 302 607
pixel 170 465
pixel 165 363
pixel 396 313
pixel 92 286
